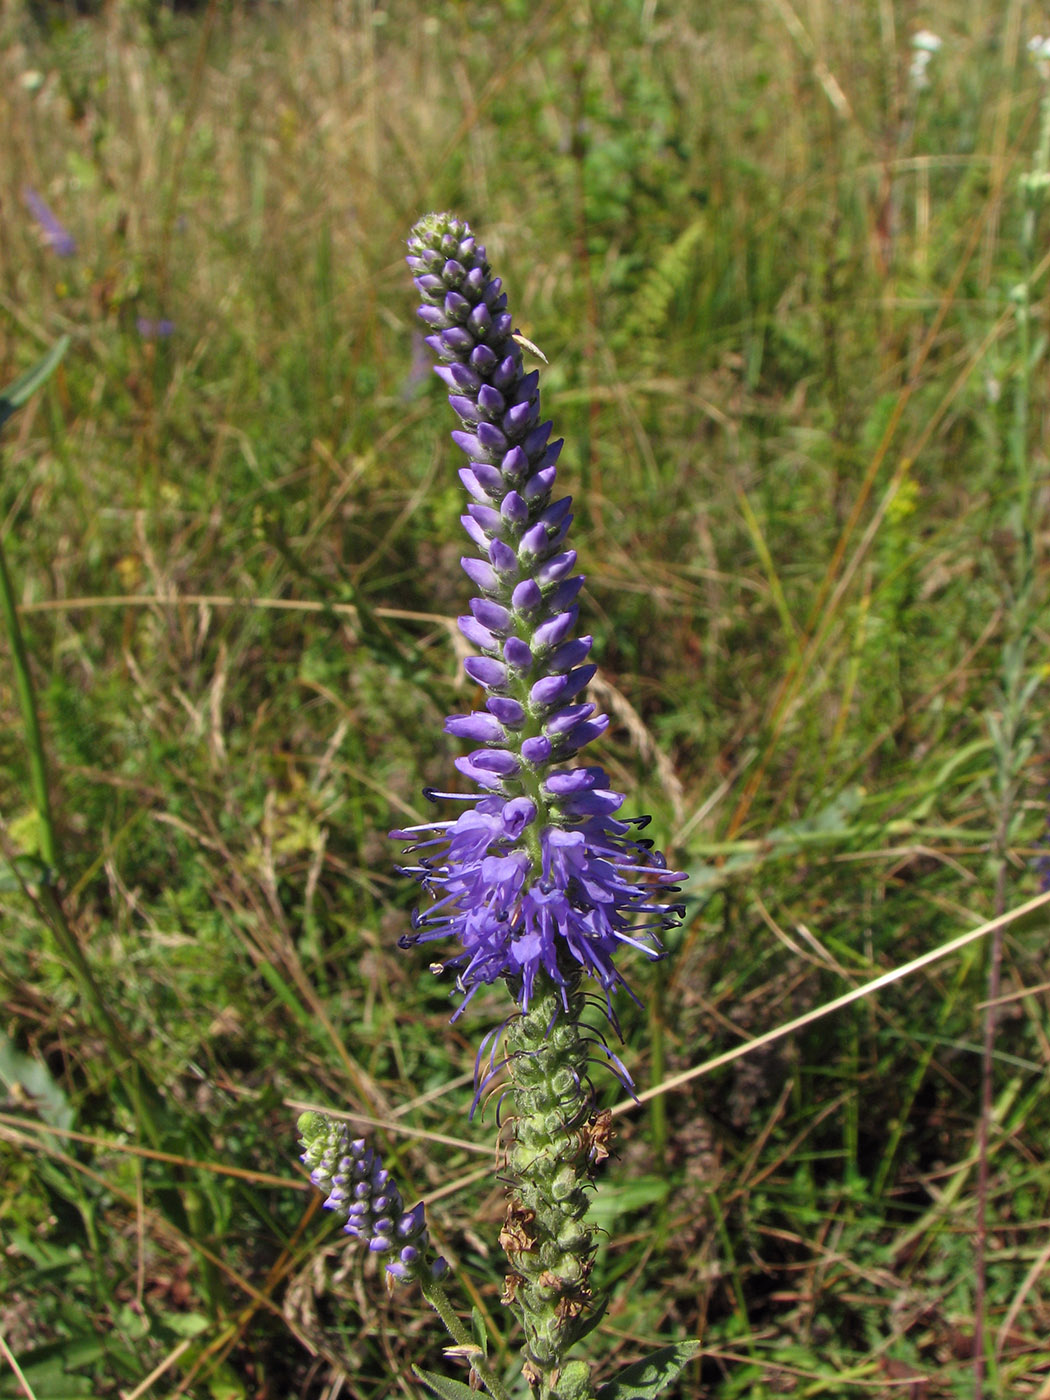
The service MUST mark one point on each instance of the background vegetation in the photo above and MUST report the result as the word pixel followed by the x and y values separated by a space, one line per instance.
pixel 794 304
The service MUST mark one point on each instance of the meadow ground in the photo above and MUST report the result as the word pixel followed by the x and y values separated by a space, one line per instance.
pixel 791 282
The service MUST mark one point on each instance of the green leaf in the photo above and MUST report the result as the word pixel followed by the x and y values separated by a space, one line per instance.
pixel 627 1198
pixel 224 1385
pixel 27 1079
pixel 478 1328
pixel 50 1370
pixel 19 390
pixel 186 1324
pixel 447 1389
pixel 574 1381
pixel 646 1378
pixel 587 1322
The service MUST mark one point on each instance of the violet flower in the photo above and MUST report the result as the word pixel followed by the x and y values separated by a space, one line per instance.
pixel 356 1184
pixel 55 234
pixel 151 328
pixel 537 875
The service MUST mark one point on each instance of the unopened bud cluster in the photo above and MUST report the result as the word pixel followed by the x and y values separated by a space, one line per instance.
pixel 359 1187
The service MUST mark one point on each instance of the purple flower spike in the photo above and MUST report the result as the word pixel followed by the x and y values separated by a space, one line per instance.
pixel 537 875
pixel 54 233
pixel 347 1170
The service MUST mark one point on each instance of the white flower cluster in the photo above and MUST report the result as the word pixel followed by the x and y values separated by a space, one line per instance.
pixel 1039 48
pixel 924 45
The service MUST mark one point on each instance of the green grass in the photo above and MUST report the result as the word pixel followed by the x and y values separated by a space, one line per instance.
pixel 806 423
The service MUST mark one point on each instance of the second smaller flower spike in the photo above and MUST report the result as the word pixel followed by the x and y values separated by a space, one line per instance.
pixel 53 232
pixel 537 877
pixel 357 1185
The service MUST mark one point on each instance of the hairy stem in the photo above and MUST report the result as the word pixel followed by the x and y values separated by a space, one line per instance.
pixel 558 1139
pixel 438 1299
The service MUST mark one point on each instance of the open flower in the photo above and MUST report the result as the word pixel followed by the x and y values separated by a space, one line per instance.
pixel 537 874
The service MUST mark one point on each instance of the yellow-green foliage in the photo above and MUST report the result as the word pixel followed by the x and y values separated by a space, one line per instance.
pixel 662 285
pixel 767 270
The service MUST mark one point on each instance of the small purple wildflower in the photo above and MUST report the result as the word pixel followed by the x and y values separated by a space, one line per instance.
pixel 537 875
pixel 356 1184
pixel 150 329
pixel 56 235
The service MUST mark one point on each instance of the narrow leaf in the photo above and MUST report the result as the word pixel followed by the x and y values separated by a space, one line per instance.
pixel 587 1322
pixel 19 390
pixel 443 1386
pixel 481 1335
pixel 646 1378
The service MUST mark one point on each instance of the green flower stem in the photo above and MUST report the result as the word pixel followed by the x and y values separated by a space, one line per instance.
pixel 146 1102
pixel 436 1296
pixel 186 1211
pixel 30 718
pixel 1034 185
pixel 1009 722
pixel 50 902
pixel 557 1141
pixel 11 399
